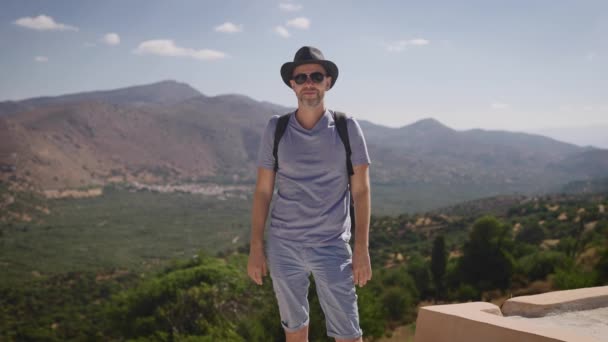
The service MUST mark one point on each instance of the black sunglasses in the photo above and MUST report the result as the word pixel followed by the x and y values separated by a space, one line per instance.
pixel 315 77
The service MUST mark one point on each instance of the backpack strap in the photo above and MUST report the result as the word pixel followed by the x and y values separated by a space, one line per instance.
pixel 341 125
pixel 278 134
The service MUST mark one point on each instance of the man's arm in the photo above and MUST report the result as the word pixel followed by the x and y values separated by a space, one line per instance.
pixel 360 189
pixel 264 187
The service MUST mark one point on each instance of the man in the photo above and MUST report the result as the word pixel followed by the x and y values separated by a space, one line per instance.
pixel 310 224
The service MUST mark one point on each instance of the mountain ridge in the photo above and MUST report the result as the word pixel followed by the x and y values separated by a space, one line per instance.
pixel 166 91
pixel 134 134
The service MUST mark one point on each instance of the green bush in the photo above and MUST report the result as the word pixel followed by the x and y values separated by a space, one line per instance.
pixel 371 312
pixel 573 278
pixel 190 301
pixel 463 293
pixel 602 269
pixel 539 265
pixel 398 304
pixel 533 234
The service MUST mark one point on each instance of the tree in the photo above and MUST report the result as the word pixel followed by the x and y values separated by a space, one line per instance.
pixel 602 269
pixel 533 234
pixel 487 262
pixel 199 300
pixel 418 268
pixel 568 246
pixel 398 304
pixel 439 260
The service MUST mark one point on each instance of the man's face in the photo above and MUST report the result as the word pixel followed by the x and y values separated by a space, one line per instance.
pixel 309 93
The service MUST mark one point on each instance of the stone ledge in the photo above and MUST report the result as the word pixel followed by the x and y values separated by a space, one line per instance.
pixel 558 301
pixel 481 321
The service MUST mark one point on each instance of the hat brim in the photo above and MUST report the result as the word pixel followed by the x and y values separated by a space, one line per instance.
pixel 330 67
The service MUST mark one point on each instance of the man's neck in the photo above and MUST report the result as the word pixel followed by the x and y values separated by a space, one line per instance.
pixel 309 116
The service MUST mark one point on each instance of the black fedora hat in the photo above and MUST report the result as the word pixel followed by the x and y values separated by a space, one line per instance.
pixel 309 55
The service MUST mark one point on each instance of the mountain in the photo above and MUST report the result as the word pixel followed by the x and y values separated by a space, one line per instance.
pixel 598 185
pixel 167 132
pixel 165 92
pixel 591 135
pixel 586 165
pixel 429 152
pixel 92 142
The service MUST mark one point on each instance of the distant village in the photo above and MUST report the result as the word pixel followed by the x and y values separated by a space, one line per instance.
pixel 221 191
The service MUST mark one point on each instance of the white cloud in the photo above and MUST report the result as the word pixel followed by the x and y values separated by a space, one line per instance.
pixel 588 108
pixel 41 59
pixel 111 39
pixel 400 45
pixel 89 44
pixel 419 42
pixel 289 7
pixel 299 23
pixel 229 27
pixel 43 23
pixel 167 48
pixel 282 31
pixel 498 105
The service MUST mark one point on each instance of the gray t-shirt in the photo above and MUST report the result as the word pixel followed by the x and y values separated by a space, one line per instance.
pixel 313 201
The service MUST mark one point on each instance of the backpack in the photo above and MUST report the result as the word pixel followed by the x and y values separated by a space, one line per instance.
pixel 340 120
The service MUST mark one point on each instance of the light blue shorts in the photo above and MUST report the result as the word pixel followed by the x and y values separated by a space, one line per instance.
pixel 290 266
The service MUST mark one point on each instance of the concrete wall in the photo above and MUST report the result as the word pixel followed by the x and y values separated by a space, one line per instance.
pixel 481 321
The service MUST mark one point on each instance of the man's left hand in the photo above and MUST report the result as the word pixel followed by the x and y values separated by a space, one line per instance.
pixel 362 267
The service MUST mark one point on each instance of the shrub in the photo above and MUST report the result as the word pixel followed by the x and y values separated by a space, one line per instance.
pixel 573 278
pixel 539 265
pixel 463 293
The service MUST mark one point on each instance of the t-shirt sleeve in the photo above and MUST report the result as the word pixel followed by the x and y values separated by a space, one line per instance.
pixel 265 157
pixel 358 146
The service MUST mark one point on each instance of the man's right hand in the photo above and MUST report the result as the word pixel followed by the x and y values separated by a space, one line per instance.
pixel 256 266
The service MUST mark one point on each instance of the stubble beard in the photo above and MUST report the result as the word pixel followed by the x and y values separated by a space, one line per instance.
pixel 311 102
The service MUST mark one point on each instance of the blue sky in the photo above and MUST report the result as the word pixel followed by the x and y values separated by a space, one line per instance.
pixel 509 65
